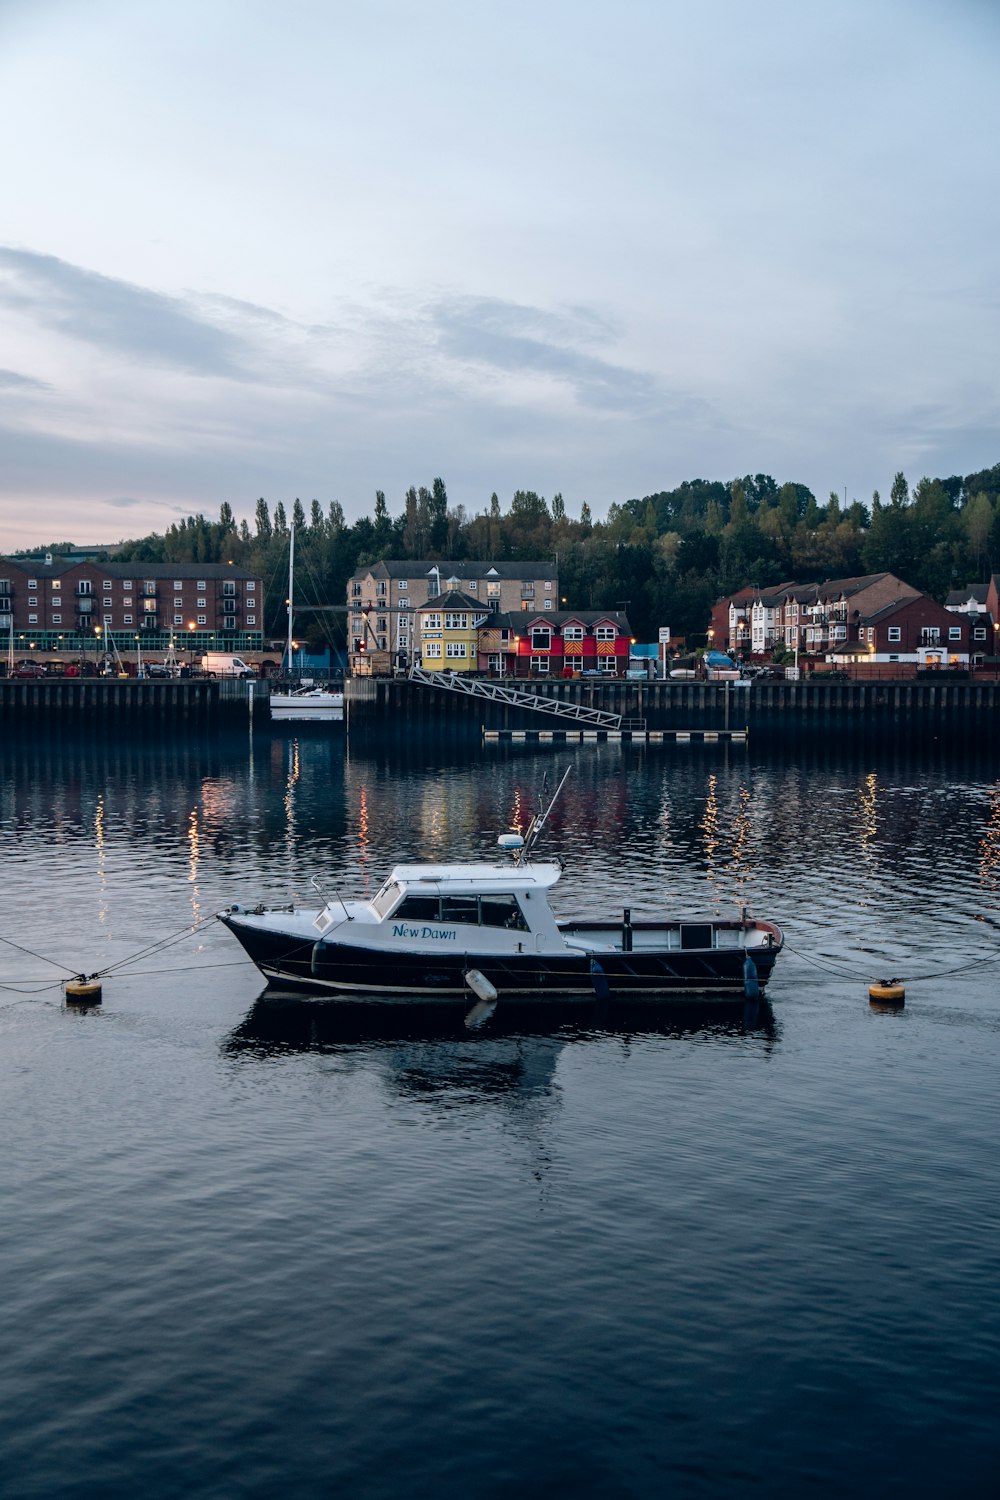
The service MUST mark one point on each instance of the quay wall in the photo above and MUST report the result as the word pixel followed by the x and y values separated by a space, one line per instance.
pixel 959 712
pixel 124 705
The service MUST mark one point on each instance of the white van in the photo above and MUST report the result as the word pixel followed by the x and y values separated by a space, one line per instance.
pixel 225 664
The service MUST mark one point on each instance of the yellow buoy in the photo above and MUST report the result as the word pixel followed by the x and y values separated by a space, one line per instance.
pixel 887 992
pixel 83 991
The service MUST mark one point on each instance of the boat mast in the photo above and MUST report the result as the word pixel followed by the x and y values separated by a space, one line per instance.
pixel 538 822
pixel 291 575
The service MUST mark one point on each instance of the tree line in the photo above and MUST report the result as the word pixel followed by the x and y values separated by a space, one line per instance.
pixel 665 558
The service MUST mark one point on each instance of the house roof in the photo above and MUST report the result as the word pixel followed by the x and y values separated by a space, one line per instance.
pixel 61 565
pixel 463 571
pixel 523 619
pixel 454 599
pixel 977 592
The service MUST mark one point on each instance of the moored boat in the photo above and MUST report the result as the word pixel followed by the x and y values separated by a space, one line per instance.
pixel 448 932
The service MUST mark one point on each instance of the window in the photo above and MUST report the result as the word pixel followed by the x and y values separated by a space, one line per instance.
pixel 547 604
pixel 541 638
pixel 32 619
pixel 33 584
pixel 606 633
pixel 493 591
pixel 501 911
pixel 178 619
pixel 56 584
pixel 106 585
pixel 930 635
pixel 149 587
pixel 251 587
pixel 464 909
pixel 201 586
pixel 57 619
pixel 404 603
pixel 128 619
pixel 380 589
pixel 456 649
pixel 4 586
pixel 381 643
pixel 381 623
pixel 608 664
pixel 548 588
pixel 107 602
pixel 893 633
pixel 979 634
pixel 202 603
pixel 251 619
pixel 355 591
pixel 472 586
pixel 431 621
pixel 127 585
pixel 179 603
pixel 229 588
pixel 32 599
pixel 403 585
pixel 178 585
pixel 434 586
pixel 954 632
pixel 432 648
pixel 540 665
pixel 456 622
pixel 202 620
pixel 573 633
pixel 149 606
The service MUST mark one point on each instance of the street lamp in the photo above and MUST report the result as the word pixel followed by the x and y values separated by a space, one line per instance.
pixel 996 628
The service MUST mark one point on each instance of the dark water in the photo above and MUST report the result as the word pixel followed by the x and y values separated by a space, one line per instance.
pixel 249 1250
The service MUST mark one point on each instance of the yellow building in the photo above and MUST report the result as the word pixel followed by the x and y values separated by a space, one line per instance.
pixel 448 638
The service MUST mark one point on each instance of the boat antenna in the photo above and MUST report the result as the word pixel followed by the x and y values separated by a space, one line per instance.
pixel 538 822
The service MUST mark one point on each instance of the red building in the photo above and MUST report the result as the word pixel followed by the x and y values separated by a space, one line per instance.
pixel 560 643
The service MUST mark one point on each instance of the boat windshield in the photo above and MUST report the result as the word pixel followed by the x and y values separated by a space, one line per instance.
pixel 386 898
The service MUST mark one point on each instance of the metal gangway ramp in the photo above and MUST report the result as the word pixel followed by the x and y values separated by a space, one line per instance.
pixel 497 692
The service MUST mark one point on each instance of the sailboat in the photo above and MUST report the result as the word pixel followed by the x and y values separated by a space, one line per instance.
pixel 306 702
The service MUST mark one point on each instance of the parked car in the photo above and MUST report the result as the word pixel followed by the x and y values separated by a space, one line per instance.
pixel 28 669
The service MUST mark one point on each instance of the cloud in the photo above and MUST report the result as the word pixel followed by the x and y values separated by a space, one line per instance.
pixel 10 380
pixel 513 338
pixel 115 315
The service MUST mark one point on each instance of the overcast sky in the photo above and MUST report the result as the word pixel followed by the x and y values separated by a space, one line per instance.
pixel 324 248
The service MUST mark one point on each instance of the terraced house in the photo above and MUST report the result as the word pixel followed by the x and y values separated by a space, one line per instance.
pixel 383 598
pixel 51 604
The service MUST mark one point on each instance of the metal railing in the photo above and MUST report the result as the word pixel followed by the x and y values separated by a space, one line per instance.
pixel 497 692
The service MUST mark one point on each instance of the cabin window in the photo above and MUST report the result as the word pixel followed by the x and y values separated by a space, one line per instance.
pixel 464 909
pixel 383 901
pixel 419 909
pixel 501 911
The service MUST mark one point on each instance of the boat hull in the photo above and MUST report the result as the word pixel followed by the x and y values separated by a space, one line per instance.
pixel 401 977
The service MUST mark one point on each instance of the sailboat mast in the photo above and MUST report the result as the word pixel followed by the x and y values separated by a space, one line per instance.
pixel 291 575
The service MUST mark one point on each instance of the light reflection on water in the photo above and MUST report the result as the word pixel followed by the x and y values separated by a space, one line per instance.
pixel 256 1246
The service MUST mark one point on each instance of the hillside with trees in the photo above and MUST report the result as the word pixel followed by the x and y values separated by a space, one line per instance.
pixel 665 557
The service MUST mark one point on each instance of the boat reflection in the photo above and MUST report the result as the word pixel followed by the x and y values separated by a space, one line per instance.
pixel 279 1023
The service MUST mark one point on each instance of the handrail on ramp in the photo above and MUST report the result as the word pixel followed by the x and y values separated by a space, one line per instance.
pixel 498 692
